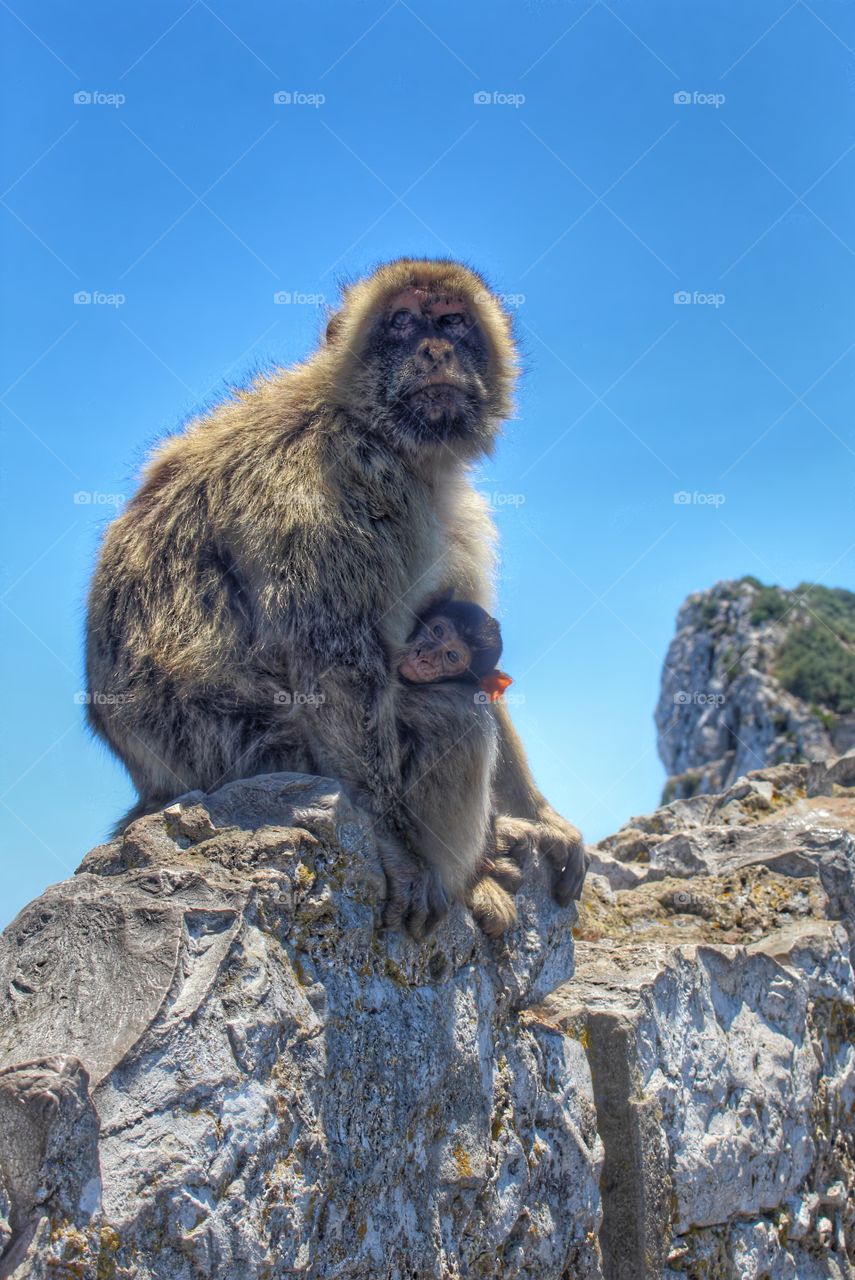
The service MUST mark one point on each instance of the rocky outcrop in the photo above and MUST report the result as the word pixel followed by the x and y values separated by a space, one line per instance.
pixel 714 991
pixel 755 676
pixel 214 1063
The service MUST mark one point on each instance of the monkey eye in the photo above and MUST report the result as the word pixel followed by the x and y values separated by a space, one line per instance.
pixel 401 320
pixel 453 656
pixel 452 320
pixel 438 631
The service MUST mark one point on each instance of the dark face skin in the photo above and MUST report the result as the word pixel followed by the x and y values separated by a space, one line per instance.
pixel 433 361
pixel 436 653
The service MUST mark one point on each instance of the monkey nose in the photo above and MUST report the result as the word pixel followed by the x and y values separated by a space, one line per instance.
pixel 435 351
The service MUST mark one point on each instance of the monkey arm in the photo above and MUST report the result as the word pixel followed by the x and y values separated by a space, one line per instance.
pixel 524 816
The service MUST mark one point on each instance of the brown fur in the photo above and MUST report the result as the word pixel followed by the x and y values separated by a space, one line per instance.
pixel 247 603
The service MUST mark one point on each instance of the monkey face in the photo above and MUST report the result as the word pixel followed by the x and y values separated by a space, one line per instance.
pixel 421 354
pixel 431 362
pixel 438 653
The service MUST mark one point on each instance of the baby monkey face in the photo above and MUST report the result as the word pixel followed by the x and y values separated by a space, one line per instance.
pixel 437 652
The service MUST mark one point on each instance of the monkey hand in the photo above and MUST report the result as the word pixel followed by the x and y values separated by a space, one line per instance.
pixel 559 841
pixel 416 898
pixel 556 839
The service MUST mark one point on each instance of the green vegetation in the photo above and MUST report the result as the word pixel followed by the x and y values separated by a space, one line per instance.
pixel 709 611
pixel 814 665
pixel 816 660
pixel 770 605
pixel 833 605
pixel 828 718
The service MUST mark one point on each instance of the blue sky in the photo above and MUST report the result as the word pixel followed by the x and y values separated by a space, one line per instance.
pixel 181 197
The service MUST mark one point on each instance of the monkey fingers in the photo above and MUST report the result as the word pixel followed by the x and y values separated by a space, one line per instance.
pixel 491 905
pixel 513 838
pixel 416 898
pixel 428 904
pixel 507 872
pixel 563 845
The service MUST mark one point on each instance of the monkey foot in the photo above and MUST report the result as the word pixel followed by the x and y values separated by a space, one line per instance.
pixel 492 906
pixel 416 898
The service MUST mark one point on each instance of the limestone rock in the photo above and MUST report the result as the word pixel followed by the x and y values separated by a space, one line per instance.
pixel 714 992
pixel 213 1063
pixel 755 676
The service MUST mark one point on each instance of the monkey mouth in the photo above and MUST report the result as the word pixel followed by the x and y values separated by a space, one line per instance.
pixel 437 411
pixel 438 392
pixel 419 670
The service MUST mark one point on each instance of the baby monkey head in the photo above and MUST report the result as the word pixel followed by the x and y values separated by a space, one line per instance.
pixel 452 640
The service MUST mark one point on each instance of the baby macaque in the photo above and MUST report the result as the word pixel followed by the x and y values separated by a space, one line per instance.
pixel 455 640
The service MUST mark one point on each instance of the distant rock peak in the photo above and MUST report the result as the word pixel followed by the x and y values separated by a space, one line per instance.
pixel 755 675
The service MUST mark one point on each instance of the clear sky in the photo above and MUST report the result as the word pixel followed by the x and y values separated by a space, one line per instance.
pixel 148 165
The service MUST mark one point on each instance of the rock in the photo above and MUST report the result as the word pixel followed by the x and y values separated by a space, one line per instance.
pixel 761 855
pixel 755 676
pixel 705 1079
pixel 714 991
pixel 212 1063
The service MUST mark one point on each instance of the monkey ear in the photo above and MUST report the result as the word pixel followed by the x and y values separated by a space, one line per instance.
pixel 495 683
pixel 333 327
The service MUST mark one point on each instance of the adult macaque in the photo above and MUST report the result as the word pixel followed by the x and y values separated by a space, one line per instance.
pixel 286 540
